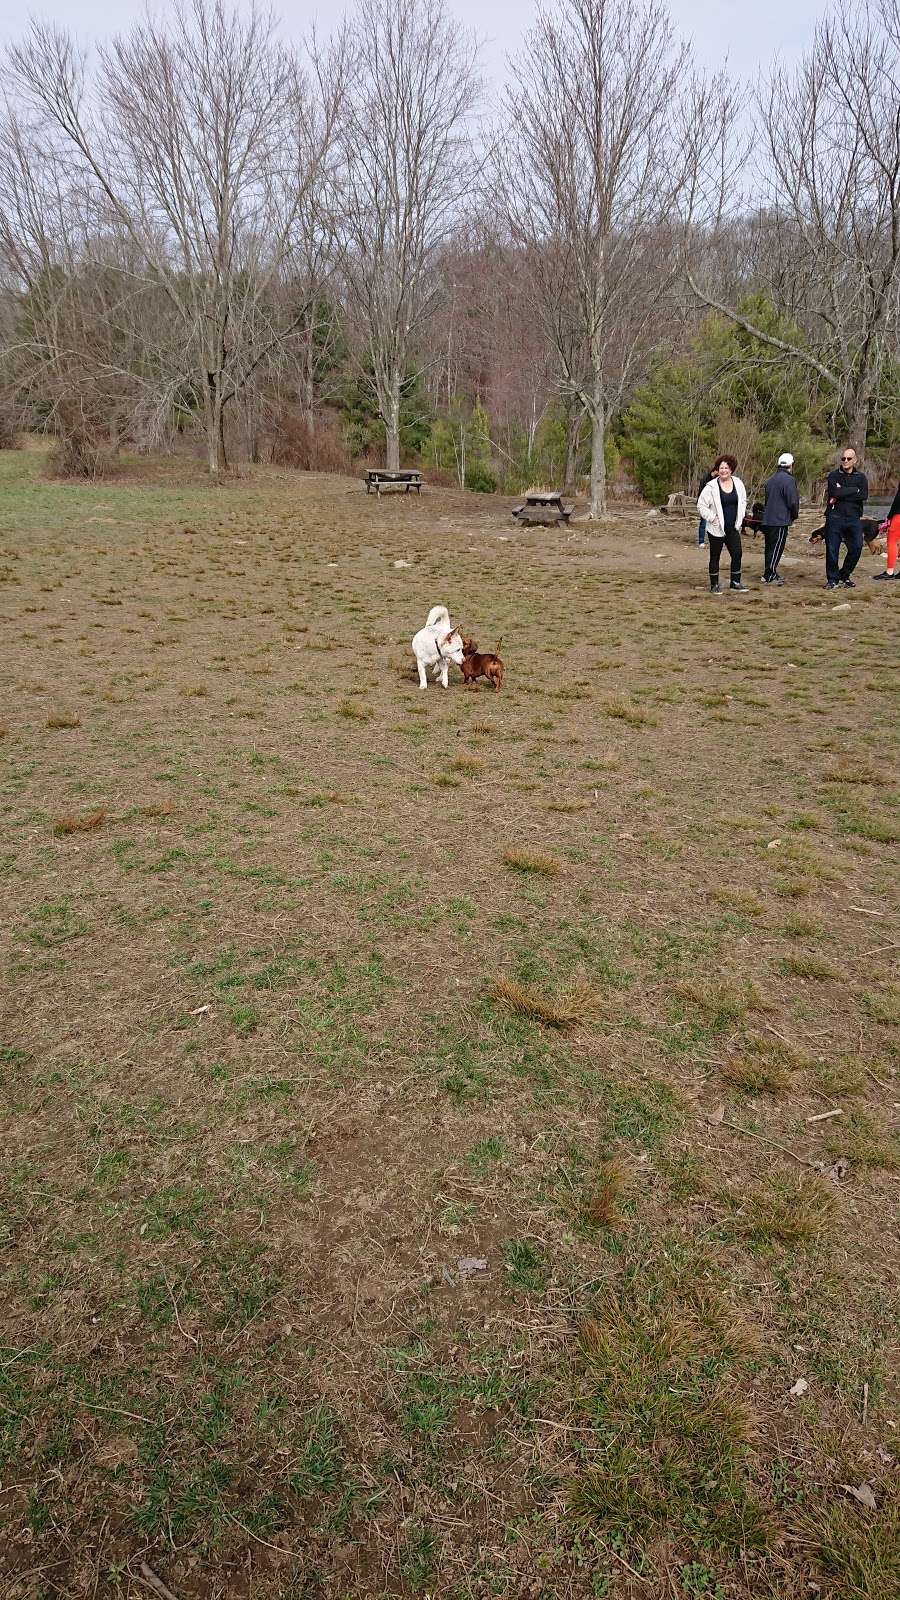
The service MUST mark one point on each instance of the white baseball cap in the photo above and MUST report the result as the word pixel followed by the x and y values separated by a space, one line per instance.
pixel 786 460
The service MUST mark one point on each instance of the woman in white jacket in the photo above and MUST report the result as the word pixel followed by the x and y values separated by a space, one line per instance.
pixel 723 504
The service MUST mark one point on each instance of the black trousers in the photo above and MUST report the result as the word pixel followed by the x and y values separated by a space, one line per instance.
pixel 775 539
pixel 732 542
pixel 848 532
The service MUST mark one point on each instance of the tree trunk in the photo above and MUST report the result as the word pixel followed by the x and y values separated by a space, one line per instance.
pixel 598 462
pixel 214 423
pixel 858 415
pixel 392 425
pixel 573 439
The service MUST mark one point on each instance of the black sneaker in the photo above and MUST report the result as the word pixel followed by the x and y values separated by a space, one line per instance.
pixel 740 587
pixel 847 583
pixel 777 579
pixel 833 585
pixel 885 577
pixel 715 588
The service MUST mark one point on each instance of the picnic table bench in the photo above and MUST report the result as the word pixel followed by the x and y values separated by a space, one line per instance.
pixel 544 508
pixel 379 478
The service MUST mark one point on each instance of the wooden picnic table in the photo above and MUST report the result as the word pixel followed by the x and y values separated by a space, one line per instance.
pixel 545 507
pixel 379 478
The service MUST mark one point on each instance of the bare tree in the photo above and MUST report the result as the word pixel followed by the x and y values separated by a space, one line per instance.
pixel 204 142
pixel 587 177
pixel 825 242
pixel 408 165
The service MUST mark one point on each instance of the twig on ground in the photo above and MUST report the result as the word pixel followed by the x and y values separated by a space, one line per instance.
pixel 749 1134
pixel 825 1116
pixel 154 1581
pixel 117 1411
pixel 894 944
pixel 280 1549
pixel 194 1338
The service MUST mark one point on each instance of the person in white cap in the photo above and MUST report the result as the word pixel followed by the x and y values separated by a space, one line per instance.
pixel 782 507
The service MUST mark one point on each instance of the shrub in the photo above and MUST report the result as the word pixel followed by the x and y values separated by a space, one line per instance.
pixel 480 479
pixel 9 433
pixel 314 446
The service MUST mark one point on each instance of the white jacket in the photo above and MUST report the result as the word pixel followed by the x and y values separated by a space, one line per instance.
pixel 709 506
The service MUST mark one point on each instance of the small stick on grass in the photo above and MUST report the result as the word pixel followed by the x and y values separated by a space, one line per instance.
pixel 154 1581
pixel 181 1328
pixel 749 1134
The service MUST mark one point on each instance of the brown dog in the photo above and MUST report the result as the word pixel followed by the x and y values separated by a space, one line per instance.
pixel 481 666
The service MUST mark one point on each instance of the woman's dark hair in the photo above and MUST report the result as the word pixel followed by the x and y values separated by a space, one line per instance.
pixel 732 462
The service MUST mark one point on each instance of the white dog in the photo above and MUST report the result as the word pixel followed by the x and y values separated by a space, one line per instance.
pixel 436 645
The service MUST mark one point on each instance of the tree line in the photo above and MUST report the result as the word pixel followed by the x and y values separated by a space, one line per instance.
pixel 344 250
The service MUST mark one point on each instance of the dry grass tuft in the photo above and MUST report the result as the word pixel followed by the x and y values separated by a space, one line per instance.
pixel 355 710
pixel 568 1009
pixel 523 860
pixel 193 691
pixel 846 770
pixel 838 1077
pixel 82 824
pixel 162 808
pixel 482 729
pixel 64 719
pixel 859 1550
pixel 756 1075
pixel 625 711
pixel 786 1211
pixel 723 1002
pixel 741 900
pixel 602 1207
pixel 866 1141
pixel 466 763
pixel 806 966
pixel 566 807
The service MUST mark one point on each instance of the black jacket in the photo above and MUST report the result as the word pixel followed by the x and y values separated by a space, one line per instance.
pixel 846 494
pixel 782 500
pixel 895 508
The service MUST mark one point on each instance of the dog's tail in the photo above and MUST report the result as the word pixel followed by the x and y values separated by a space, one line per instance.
pixel 499 643
pixel 438 617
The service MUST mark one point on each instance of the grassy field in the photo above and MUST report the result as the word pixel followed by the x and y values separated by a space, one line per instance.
pixel 315 986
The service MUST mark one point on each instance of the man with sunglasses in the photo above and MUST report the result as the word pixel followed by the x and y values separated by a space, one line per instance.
pixel 845 497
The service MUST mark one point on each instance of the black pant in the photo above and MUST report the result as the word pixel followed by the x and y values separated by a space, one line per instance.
pixel 775 540
pixel 732 541
pixel 838 531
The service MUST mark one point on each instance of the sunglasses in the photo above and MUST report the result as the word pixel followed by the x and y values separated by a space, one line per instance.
pixel 848 458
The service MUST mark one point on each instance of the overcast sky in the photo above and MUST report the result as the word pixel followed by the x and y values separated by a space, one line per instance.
pixel 719 28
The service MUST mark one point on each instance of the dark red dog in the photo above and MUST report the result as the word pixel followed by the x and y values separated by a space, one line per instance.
pixel 481 666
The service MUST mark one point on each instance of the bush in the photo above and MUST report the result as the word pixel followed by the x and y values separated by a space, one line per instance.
pixel 480 479
pixel 9 433
pixel 83 448
pixel 293 442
